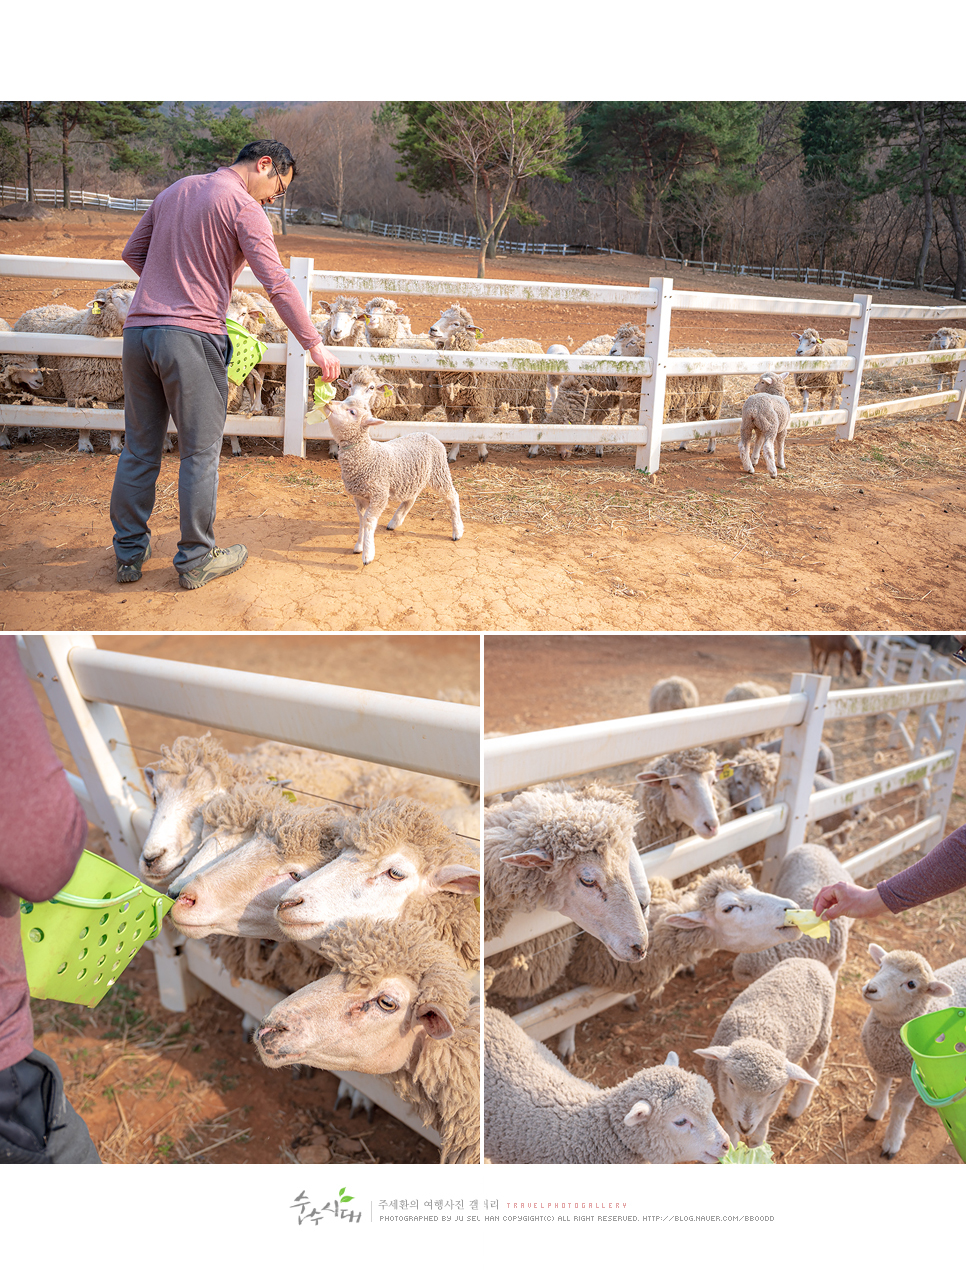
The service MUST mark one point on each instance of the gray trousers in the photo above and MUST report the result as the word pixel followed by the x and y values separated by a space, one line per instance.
pixel 170 370
pixel 37 1123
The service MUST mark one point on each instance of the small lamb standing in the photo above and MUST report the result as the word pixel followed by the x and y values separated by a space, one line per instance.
pixel 775 1031
pixel 375 471
pixel 765 418
pixel 903 987
pixel 824 382
pixel 537 1112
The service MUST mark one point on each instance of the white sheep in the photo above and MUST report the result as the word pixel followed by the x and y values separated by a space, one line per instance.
pixel 947 337
pixel 586 398
pixel 340 322
pixel 396 861
pixel 375 471
pixel 748 690
pixel 903 987
pixel 777 1030
pixel 678 797
pixel 84 378
pixel 674 693
pixel 751 787
pixel 803 873
pixel 387 326
pixel 690 394
pixel 19 373
pixel 537 1112
pixel 824 382
pixel 568 850
pixel 476 394
pixel 765 420
pixel 397 1002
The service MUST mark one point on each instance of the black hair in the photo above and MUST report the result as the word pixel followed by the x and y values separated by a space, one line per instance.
pixel 279 154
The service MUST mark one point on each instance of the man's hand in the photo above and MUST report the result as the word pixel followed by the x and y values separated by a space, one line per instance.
pixel 326 362
pixel 847 899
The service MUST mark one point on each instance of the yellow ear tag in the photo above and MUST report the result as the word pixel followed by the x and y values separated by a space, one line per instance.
pixel 476 901
pixel 479 336
pixel 387 392
pixel 727 773
pixel 95 307
pixel 808 923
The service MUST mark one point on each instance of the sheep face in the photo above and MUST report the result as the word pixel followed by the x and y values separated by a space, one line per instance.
pixel 176 828
pixel 237 894
pixel 453 319
pixel 361 884
pixel 688 798
pixel 215 843
pixel 679 1128
pixel 26 375
pixel 903 987
pixel 370 1028
pixel 342 314
pixel 751 1078
pixel 809 342
pixel 745 920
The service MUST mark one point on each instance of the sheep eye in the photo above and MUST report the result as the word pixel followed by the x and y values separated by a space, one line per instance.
pixel 387 1004
pixel 682 1122
pixel 295 875
pixel 587 882
pixel 911 984
pixel 395 874
pixel 730 908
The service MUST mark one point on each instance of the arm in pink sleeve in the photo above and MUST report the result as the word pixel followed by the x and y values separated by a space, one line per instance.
pixel 258 246
pixel 136 248
pixel 42 825
pixel 941 871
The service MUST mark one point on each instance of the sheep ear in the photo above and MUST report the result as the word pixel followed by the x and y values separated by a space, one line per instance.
pixel 639 1113
pixel 149 779
pixel 649 778
pixel 876 952
pixel 687 921
pixel 671 1060
pixel 719 1052
pixel 371 422
pixel 530 858
pixel 936 988
pixel 800 1074
pixel 433 1019
pixel 343 383
pixel 457 877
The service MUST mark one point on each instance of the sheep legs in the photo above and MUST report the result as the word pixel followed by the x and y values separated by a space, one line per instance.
pixel 803 1094
pixel 369 513
pixel 905 1096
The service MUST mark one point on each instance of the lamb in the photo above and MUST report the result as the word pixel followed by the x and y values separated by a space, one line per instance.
pixel 19 373
pixel 478 393
pixel 722 911
pixel 388 327
pixel 396 861
pixel 76 378
pixel 678 797
pixel 903 987
pixel 778 1029
pixel 375 471
pixel 586 398
pixel 749 690
pixel 824 382
pixel 691 394
pixel 537 1112
pixel 765 418
pixel 394 394
pixel 675 693
pixel 194 770
pixel 824 647
pixel 751 787
pixel 803 873
pixel 568 850
pixel 398 1003
pixel 947 337
pixel 341 323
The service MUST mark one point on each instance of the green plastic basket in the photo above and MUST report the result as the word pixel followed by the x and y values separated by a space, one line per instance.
pixel 77 944
pixel 937 1043
pixel 246 353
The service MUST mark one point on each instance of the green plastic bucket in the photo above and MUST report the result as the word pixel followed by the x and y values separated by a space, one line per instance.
pixel 937 1043
pixel 246 353
pixel 77 944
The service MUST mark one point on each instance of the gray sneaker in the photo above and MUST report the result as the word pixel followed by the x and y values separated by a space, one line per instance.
pixel 130 570
pixel 219 562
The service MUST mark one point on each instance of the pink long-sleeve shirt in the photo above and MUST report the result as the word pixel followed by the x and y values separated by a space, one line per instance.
pixel 941 871
pixel 42 833
pixel 189 248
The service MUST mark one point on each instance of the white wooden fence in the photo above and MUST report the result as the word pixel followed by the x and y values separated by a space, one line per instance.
pixel 512 762
pixel 86 685
pixel 655 302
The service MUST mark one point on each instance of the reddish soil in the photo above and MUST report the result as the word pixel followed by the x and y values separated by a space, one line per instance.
pixel 535 682
pixel 699 545
pixel 162 1087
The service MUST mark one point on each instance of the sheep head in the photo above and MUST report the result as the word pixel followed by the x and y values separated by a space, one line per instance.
pixel 678 790
pixel 738 917
pixel 751 1076
pixel 672 1121
pixel 903 987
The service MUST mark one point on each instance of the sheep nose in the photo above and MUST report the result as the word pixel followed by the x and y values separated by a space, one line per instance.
pixel 185 900
pixel 288 904
pixel 638 951
pixel 745 1128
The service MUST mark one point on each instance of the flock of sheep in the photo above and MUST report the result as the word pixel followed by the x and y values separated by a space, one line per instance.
pixel 362 911
pixel 573 849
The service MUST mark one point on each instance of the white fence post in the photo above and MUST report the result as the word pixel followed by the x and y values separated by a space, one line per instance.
pixel 296 387
pixel 799 759
pixel 852 380
pixel 941 783
pixel 656 339
pixel 955 412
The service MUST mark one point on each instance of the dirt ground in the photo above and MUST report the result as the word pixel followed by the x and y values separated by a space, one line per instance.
pixel 160 1087
pixel 595 545
pixel 536 682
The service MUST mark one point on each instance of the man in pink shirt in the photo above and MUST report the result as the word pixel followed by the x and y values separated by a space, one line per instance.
pixel 188 250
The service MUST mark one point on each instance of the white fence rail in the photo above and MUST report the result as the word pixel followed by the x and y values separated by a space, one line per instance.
pixel 655 302
pixel 809 275
pixel 512 762
pixel 86 685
